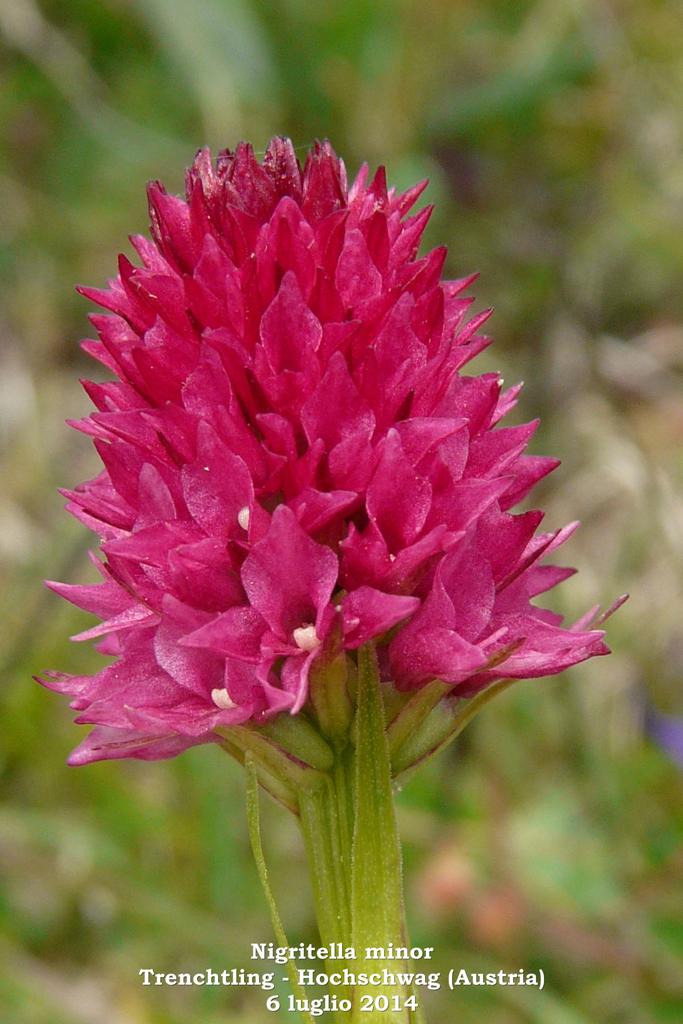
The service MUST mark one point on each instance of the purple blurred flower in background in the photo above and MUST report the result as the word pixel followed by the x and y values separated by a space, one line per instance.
pixel 667 733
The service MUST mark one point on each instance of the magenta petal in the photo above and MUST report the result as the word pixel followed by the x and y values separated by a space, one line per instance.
pixel 528 471
pixel 506 402
pixel 106 744
pixel 244 686
pixel 316 509
pixel 216 486
pixel 421 435
pixel 351 463
pixel 336 409
pixel 290 332
pixel 197 671
pixel 289 578
pixel 365 556
pixel 201 574
pixel 545 650
pixel 102 599
pixel 154 497
pixel 368 613
pixel 502 538
pixel 236 634
pixel 495 449
pixel 358 279
pixel 436 653
pixel 278 433
pixel 398 499
pixel 467 579
pixel 540 545
pixel 135 615
pixel 403 573
pixel 536 580
pixel 152 545
pixel 294 675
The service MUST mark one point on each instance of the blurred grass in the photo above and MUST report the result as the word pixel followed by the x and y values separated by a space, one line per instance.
pixel 551 837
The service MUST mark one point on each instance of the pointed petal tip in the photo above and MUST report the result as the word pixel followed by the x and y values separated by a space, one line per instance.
pixel 602 618
pixel 615 606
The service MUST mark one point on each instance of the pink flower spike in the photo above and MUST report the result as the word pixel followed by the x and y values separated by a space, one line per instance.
pixel 294 464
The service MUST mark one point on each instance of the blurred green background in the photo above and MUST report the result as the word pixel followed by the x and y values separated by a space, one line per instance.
pixel 551 131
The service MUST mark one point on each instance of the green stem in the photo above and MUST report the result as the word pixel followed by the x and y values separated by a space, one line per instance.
pixel 322 837
pixel 337 774
pixel 351 838
pixel 322 834
pixel 376 873
pixel 342 781
pixel 339 782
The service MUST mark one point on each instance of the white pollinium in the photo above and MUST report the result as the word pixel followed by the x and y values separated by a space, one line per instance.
pixel 222 700
pixel 243 517
pixel 306 637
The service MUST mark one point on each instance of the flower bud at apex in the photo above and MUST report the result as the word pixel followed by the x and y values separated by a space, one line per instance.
pixel 222 700
pixel 243 517
pixel 306 637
